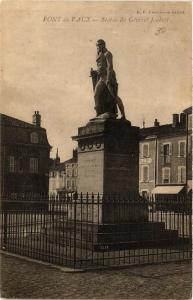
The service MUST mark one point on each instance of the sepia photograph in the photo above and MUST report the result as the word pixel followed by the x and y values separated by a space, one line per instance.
pixel 96 149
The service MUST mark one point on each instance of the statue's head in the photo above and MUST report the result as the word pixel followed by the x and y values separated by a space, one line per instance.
pixel 100 45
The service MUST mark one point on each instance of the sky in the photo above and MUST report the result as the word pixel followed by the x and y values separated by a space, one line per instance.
pixel 50 46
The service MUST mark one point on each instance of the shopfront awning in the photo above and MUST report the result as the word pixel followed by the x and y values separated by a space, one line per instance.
pixel 175 189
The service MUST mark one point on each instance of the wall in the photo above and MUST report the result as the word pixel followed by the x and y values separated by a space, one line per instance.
pixel 174 158
pixel 149 161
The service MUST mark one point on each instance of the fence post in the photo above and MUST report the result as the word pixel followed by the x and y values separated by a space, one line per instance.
pixel 75 203
pixel 183 212
pixel 190 217
pixel 5 227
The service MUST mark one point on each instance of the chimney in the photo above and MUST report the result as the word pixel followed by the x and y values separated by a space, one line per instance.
pixel 156 123
pixel 183 119
pixel 175 120
pixel 36 120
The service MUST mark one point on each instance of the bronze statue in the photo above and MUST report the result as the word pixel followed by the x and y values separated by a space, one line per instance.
pixel 105 85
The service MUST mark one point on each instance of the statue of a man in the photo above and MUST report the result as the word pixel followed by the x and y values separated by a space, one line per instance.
pixel 105 84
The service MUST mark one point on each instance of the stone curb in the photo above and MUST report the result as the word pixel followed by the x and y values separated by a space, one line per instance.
pixel 63 269
pixel 101 268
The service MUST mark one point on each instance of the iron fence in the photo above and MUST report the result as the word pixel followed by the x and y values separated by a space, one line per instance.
pixel 91 231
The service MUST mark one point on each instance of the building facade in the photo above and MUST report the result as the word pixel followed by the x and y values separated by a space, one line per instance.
pixel 72 173
pixel 25 153
pixel 188 113
pixel 63 176
pixel 165 156
pixel 147 164
pixel 57 177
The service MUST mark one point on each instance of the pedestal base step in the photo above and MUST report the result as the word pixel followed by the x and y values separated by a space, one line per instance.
pixel 112 236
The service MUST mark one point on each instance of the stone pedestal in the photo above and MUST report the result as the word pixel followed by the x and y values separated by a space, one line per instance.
pixel 116 218
pixel 108 156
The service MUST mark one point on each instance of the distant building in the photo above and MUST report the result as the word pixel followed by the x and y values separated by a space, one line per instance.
pixel 63 176
pixel 57 177
pixel 165 156
pixel 25 153
pixel 72 173
pixel 188 113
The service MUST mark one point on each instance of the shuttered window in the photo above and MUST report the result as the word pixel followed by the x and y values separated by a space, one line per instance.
pixel 145 173
pixel 33 168
pixel 165 175
pixel 73 184
pixel 34 137
pixel 68 183
pixel 166 149
pixel 145 150
pixel 190 122
pixel 182 148
pixel 12 164
pixel 181 174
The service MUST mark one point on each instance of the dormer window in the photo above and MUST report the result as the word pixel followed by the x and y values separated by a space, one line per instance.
pixel 34 138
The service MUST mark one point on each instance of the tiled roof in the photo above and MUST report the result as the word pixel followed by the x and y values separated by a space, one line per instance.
pixel 188 110
pixel 162 130
pixel 14 131
pixel 57 167
pixel 71 160
pixel 61 166
pixel 10 121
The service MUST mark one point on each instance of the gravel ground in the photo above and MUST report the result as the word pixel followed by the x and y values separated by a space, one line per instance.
pixel 26 279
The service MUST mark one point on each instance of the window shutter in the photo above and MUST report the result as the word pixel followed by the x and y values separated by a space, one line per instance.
pixel 183 174
pixel 184 149
pixel 189 122
pixel 179 174
pixel 162 150
pixel 145 173
pixel 170 149
pixel 145 150
pixel 33 165
pixel 163 175
pixel 11 164
pixel 169 175
pixel 143 153
pixel 179 147
pixel 166 175
pixel 189 144
pixel 141 173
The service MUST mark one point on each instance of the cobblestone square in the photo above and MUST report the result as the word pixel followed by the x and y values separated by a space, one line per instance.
pixel 25 279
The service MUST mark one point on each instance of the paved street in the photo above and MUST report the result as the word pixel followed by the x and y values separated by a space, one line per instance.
pixel 27 279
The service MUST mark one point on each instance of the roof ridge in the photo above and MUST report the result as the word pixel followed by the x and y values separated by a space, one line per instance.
pixel 8 120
